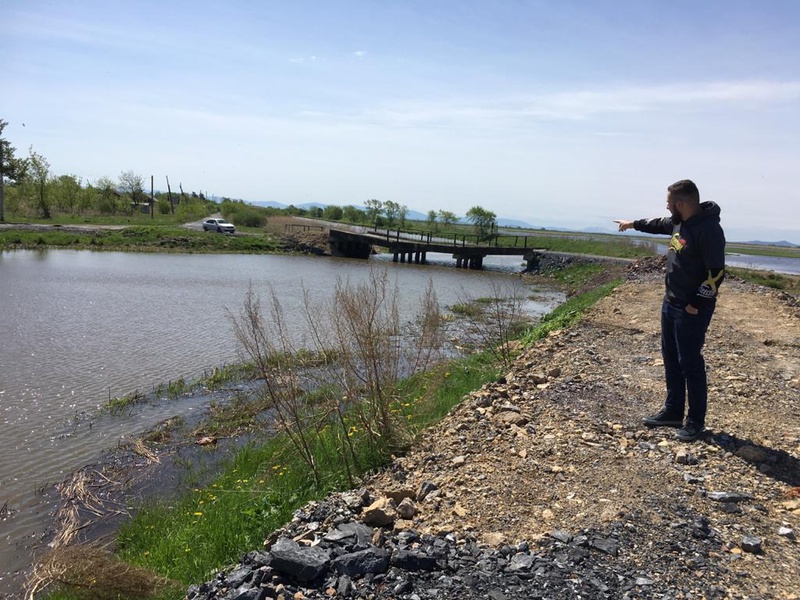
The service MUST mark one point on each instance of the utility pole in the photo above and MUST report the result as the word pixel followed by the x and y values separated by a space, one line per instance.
pixel 2 214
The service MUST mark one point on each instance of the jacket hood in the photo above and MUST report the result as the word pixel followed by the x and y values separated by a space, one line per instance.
pixel 708 210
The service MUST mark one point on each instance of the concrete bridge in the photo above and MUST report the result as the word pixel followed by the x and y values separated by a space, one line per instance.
pixel 413 248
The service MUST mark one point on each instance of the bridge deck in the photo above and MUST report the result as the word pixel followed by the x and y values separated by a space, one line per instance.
pixel 414 248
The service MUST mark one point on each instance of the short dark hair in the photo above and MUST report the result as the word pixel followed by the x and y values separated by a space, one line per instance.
pixel 685 189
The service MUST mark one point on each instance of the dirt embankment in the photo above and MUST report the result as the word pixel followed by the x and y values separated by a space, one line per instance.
pixel 559 445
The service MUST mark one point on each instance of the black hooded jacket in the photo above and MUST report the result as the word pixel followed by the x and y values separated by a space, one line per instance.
pixel 696 256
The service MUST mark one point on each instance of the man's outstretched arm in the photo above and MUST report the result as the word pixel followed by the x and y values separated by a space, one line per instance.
pixel 624 225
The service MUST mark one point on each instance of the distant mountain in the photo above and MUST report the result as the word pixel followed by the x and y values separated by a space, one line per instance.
pixel 501 222
pixel 269 204
pixel 782 244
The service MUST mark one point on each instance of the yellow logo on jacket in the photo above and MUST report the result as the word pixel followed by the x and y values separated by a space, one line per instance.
pixel 677 243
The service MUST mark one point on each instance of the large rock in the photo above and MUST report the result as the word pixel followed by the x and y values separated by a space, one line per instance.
pixel 410 560
pixel 369 560
pixel 302 564
pixel 380 513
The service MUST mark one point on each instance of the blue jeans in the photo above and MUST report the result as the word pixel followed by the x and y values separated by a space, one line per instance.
pixel 682 339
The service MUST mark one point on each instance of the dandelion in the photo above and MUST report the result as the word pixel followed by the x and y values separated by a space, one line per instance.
pixel 198 514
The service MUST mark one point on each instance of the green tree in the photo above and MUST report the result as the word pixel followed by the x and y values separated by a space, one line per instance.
pixel 11 168
pixel 107 197
pixel 391 210
pixel 132 184
pixel 353 214
pixel 333 213
pixel 402 213
pixel 483 220
pixel 432 218
pixel 447 218
pixel 373 210
pixel 38 177
pixel 67 191
pixel 295 211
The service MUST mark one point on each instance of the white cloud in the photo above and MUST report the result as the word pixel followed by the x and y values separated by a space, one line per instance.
pixel 584 104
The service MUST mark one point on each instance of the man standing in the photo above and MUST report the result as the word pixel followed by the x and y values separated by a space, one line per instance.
pixel 695 269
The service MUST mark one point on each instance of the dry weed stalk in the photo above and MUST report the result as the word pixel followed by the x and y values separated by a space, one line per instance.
pixel 493 329
pixel 376 351
pixel 265 339
pixel 90 572
pixel 142 450
pixel 76 495
pixel 60 564
pixel 362 327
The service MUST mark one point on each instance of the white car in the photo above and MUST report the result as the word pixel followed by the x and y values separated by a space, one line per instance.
pixel 218 225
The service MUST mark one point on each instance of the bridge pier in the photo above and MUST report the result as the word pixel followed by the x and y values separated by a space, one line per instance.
pixel 348 245
pixel 533 260
pixel 419 257
pixel 470 261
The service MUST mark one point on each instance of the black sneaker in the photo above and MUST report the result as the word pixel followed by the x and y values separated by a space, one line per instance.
pixel 690 431
pixel 663 418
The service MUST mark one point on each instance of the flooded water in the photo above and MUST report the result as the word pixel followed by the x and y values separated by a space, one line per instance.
pixel 778 264
pixel 78 328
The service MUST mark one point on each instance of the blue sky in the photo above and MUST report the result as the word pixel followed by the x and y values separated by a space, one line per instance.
pixel 557 112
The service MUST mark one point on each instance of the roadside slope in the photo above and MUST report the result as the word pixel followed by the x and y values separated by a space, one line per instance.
pixel 559 445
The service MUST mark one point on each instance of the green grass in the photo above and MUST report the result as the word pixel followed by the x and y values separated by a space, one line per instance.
pixel 139 238
pixel 227 374
pixel 260 488
pixel 568 313
pixel 124 220
pixel 467 309
pixel 613 246
pixel 778 281
pixel 119 404
pixel 762 250
pixel 576 275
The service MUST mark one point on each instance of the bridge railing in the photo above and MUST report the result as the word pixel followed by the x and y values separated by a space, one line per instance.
pixel 457 240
